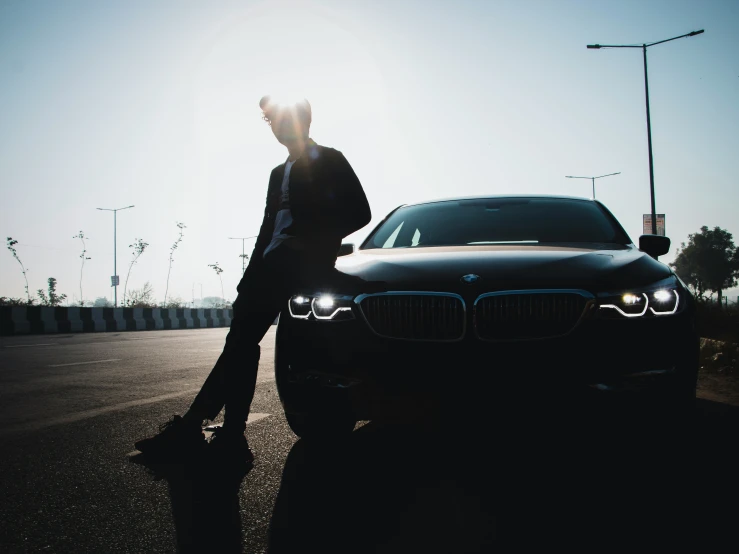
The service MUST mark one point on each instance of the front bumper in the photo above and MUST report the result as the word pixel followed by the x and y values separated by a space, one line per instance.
pixel 323 363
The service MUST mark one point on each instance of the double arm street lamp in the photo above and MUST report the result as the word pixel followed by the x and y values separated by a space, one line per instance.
pixel 115 274
pixel 243 254
pixel 646 90
pixel 593 179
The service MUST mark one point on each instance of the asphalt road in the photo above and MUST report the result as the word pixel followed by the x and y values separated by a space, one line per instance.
pixel 72 406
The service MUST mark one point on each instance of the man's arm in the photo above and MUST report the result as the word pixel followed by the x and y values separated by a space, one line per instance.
pixel 265 231
pixel 352 209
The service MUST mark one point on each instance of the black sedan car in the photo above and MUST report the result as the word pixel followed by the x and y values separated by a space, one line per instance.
pixel 485 300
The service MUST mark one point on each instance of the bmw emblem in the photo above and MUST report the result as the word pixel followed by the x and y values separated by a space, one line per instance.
pixel 470 278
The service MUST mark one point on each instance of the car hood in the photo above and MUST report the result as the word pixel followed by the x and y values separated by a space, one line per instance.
pixel 594 268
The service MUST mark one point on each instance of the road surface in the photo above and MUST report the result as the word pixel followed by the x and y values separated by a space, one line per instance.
pixel 72 406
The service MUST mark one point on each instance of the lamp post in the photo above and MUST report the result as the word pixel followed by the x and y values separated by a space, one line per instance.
pixel 646 91
pixel 593 179
pixel 243 255
pixel 115 274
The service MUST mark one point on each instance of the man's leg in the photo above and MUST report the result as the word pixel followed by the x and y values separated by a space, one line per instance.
pixel 233 378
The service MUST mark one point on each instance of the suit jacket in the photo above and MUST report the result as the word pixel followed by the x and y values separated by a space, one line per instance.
pixel 327 203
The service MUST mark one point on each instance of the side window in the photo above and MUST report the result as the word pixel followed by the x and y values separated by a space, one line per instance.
pixel 416 238
pixel 390 242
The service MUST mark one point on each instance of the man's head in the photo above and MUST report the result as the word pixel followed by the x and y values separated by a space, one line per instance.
pixel 290 121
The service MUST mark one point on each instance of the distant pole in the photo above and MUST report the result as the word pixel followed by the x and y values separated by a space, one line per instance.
pixel 115 254
pixel 115 242
pixel 592 179
pixel 243 253
pixel 649 124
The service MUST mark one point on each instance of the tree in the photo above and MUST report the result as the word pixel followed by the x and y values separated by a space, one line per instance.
pixel 138 248
pixel 708 262
pixel 53 299
pixel 141 298
pixel 214 302
pixel 102 302
pixel 83 257
pixel 180 226
pixel 10 243
pixel 218 271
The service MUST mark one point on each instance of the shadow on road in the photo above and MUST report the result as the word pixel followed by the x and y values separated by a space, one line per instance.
pixel 538 480
pixel 533 479
pixel 205 504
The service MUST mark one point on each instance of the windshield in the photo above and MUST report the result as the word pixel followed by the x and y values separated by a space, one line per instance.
pixel 498 221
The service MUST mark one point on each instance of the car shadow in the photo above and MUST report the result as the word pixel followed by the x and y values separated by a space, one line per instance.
pixel 205 504
pixel 537 481
pixel 534 478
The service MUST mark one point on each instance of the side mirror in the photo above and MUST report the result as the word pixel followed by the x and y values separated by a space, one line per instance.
pixel 654 245
pixel 345 249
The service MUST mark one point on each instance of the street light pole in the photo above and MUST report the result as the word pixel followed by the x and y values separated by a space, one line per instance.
pixel 115 242
pixel 592 179
pixel 646 90
pixel 243 254
pixel 649 144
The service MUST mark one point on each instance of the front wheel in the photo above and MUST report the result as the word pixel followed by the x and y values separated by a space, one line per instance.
pixel 320 426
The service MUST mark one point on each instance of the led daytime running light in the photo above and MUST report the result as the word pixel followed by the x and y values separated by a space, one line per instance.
pixel 654 299
pixel 623 313
pixel 323 302
pixel 320 306
pixel 663 299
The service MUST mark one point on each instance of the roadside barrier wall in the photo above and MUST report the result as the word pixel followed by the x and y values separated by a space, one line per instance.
pixel 20 320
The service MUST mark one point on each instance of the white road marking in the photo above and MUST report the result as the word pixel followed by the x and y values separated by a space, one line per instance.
pixel 79 416
pixel 25 345
pixel 208 431
pixel 86 363
pixel 253 418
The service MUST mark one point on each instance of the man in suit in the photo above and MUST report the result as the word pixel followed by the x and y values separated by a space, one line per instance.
pixel 314 199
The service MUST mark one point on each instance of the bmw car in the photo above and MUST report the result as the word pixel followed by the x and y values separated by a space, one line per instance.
pixel 483 302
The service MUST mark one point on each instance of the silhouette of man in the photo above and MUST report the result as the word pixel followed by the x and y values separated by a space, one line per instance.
pixel 314 199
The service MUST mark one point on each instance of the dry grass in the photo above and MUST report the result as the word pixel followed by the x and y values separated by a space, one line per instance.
pixel 718 378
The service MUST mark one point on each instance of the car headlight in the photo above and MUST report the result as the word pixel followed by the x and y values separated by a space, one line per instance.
pixel 299 306
pixel 659 299
pixel 321 306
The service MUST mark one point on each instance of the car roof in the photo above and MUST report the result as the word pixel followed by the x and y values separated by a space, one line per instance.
pixel 498 196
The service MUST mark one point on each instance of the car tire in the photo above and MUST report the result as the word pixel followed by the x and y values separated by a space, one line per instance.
pixel 320 426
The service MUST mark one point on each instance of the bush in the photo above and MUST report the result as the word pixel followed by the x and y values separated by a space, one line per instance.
pixel 51 299
pixel 141 298
pixel 102 302
pixel 715 322
pixel 175 302
pixel 719 356
pixel 7 301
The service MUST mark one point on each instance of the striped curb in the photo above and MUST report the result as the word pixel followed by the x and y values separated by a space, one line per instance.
pixel 20 320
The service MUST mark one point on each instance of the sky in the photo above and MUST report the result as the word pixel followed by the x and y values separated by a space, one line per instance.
pixel 106 104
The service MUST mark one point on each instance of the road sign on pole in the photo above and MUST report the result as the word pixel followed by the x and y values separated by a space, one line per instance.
pixel 115 281
pixel 647 224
